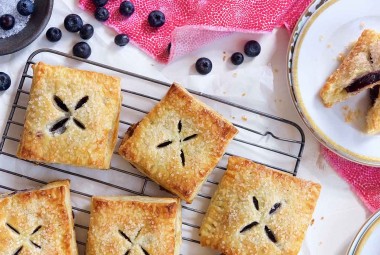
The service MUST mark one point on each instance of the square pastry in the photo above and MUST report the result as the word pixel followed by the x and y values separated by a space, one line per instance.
pixel 134 225
pixel 38 221
pixel 72 117
pixel 257 210
pixel 178 143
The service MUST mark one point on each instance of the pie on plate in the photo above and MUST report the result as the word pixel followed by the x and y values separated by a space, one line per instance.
pixel 178 143
pixel 72 117
pixel 38 221
pixel 258 210
pixel 134 225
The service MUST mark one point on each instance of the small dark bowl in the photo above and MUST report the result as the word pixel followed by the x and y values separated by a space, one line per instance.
pixel 33 29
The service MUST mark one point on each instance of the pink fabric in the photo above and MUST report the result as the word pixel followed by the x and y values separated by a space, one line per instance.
pixel 193 23
pixel 364 180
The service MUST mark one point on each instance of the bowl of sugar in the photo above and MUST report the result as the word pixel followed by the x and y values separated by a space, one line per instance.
pixel 19 27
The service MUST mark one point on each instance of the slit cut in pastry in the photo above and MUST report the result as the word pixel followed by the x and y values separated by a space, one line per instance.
pixel 38 221
pixel 258 210
pixel 72 117
pixel 134 225
pixel 178 143
pixel 359 70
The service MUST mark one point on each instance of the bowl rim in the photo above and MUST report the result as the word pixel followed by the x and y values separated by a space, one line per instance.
pixel 32 38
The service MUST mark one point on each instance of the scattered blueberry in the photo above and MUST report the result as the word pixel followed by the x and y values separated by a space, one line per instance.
pixel 5 81
pixel 237 58
pixel 73 23
pixel 100 3
pixel 156 19
pixel 203 65
pixel 7 22
pixel 252 48
pixel 122 39
pixel 82 50
pixel 54 34
pixel 101 14
pixel 86 32
pixel 25 7
pixel 169 47
pixel 126 8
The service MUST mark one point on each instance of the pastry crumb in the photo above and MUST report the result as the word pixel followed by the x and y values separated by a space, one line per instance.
pixel 320 243
pixel 312 222
pixel 224 58
pixel 340 57
pixel 362 25
pixel 322 218
pixel 350 115
pixel 329 46
pixel 321 38
pixel 244 118
pixel 233 117
pixel 244 94
pixel 275 70
pixel 234 75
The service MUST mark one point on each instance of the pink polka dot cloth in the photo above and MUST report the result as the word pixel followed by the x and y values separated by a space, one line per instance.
pixel 191 24
pixel 364 180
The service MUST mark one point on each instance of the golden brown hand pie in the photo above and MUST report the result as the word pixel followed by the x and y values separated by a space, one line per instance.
pixel 257 210
pixel 359 70
pixel 38 221
pixel 72 117
pixel 178 143
pixel 135 226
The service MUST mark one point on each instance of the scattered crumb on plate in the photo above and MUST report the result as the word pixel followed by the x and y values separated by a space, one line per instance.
pixel 224 58
pixel 244 94
pixel 321 38
pixel 322 218
pixel 362 25
pixel 312 222
pixel 340 57
pixel 244 118
pixel 234 75
pixel 349 114
pixel 329 46
pixel 275 70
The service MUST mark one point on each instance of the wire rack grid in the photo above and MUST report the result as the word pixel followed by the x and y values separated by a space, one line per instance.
pixel 258 142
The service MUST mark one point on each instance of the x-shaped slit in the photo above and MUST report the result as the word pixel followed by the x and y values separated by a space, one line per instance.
pixel 169 142
pixel 59 127
pixel 130 241
pixel 253 224
pixel 18 233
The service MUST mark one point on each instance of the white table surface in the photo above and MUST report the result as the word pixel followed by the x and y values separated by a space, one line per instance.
pixel 339 213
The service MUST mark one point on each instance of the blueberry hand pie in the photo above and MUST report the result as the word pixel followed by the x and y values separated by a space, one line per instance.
pixel 38 221
pixel 360 70
pixel 134 226
pixel 178 143
pixel 72 117
pixel 258 210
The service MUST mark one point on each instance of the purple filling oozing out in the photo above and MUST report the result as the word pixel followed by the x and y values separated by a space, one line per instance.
pixel 363 81
pixel 374 94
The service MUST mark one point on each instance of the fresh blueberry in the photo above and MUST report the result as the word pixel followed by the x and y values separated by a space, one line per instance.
pixel 82 50
pixel 237 58
pixel 156 19
pixel 122 39
pixel 7 22
pixel 25 7
pixel 86 32
pixel 100 3
pixel 5 81
pixel 252 48
pixel 73 23
pixel 54 34
pixel 101 14
pixel 203 65
pixel 126 8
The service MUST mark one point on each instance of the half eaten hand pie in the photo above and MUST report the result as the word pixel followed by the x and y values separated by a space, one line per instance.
pixel 134 225
pixel 258 210
pixel 38 221
pixel 359 70
pixel 178 143
pixel 72 117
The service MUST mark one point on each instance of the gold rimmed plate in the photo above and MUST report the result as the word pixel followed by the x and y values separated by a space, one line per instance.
pixel 324 33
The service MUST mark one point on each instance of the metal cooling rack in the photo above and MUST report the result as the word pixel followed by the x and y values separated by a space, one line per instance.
pixel 252 138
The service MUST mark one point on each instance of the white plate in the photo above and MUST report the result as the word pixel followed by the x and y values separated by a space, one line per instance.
pixel 326 30
pixel 366 241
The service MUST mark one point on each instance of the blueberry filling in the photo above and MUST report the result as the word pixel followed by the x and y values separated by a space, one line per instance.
pixel 249 226
pixel 363 81
pixel 270 234
pixel 274 208
pixel 374 94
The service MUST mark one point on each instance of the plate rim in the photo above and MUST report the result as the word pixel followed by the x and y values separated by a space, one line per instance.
pixel 305 21
pixel 362 233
